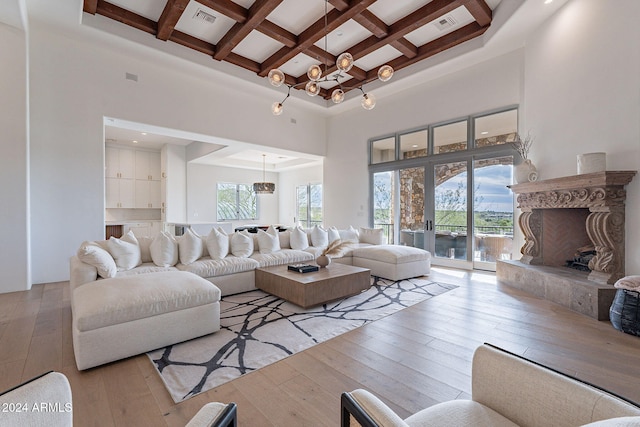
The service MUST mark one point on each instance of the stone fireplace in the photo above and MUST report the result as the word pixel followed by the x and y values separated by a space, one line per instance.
pixel 559 216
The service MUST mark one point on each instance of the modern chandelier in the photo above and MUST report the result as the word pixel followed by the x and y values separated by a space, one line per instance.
pixel 344 63
pixel 264 187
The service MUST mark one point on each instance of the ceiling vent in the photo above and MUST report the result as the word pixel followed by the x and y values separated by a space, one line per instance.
pixel 203 16
pixel 445 22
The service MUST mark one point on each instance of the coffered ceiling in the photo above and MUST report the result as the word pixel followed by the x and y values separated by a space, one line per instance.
pixel 259 35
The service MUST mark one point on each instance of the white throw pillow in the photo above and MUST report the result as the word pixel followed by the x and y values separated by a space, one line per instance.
pixel 319 237
pixel 164 250
pixel 218 243
pixel 241 245
pixel 189 247
pixel 373 236
pixel 125 251
pixel 268 241
pixel 334 234
pixel 299 239
pixel 349 234
pixel 144 242
pixel 285 242
pixel 102 260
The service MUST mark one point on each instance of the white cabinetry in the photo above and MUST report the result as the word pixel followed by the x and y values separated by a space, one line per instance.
pixel 120 193
pixel 148 165
pixel 119 162
pixel 148 194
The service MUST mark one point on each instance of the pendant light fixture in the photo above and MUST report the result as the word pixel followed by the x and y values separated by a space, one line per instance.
pixel 264 187
pixel 344 63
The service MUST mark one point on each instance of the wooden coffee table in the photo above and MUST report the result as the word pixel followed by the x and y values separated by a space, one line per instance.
pixel 308 289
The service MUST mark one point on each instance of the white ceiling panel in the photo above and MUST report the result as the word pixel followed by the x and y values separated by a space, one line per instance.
pixel 296 15
pixel 190 24
pixel 257 46
pixel 378 58
pixel 455 20
pixel 346 35
pixel 151 9
pixel 389 11
pixel 298 65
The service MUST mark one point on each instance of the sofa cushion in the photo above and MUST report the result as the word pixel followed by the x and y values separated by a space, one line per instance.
pixel 217 243
pixel 349 234
pixel 145 267
pixel 283 256
pixel 333 234
pixel 268 241
pixel 207 267
pixel 299 239
pixel 374 236
pixel 189 247
pixel 319 236
pixel 92 254
pixel 459 413
pixel 144 242
pixel 285 239
pixel 125 299
pixel 164 250
pixel 616 422
pixel 241 244
pixel 125 251
pixel 392 254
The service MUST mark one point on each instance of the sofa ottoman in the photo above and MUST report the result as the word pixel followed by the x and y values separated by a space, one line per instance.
pixel 125 316
pixel 394 262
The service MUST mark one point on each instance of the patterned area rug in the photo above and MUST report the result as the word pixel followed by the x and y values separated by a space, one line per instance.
pixel 258 329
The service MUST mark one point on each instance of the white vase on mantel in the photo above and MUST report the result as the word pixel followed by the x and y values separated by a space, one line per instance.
pixel 525 172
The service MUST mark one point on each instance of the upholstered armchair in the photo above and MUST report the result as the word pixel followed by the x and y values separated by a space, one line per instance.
pixel 46 401
pixel 506 390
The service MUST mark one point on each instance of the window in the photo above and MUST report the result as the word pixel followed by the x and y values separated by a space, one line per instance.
pixel 236 202
pixel 309 204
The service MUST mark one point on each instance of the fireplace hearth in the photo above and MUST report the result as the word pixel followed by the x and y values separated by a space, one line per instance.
pixel 560 215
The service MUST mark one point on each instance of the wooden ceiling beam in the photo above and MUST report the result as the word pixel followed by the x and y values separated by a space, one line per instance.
pixel 278 33
pixel 90 6
pixel 371 22
pixel 227 8
pixel 339 4
pixel 170 15
pixel 480 11
pixel 407 48
pixel 191 42
pixel 257 13
pixel 314 33
pixel 126 17
pixel 243 62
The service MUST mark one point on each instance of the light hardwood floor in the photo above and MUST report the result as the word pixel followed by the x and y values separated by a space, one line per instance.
pixel 412 359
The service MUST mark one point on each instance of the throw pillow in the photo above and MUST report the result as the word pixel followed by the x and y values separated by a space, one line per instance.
pixel 102 260
pixel 268 241
pixel 373 236
pixel 125 251
pixel 299 239
pixel 349 234
pixel 241 245
pixel 189 247
pixel 164 250
pixel 285 239
pixel 334 234
pixel 319 237
pixel 144 242
pixel 218 243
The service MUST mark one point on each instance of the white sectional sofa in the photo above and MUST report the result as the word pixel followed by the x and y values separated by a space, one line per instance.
pixel 232 268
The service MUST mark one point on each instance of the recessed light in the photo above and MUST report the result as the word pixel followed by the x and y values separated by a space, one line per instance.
pixel 134 141
pixel 144 133
pixel 548 1
pixel 414 146
pixel 484 133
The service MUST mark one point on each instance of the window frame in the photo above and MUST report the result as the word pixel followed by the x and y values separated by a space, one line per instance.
pixel 308 220
pixel 237 206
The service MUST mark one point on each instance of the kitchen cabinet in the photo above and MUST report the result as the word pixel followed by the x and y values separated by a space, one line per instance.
pixel 147 165
pixel 120 193
pixel 147 194
pixel 119 163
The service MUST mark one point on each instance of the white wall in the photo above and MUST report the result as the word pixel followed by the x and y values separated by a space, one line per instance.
pixel 289 180
pixel 14 169
pixel 78 79
pixel 582 95
pixel 202 181
pixel 492 84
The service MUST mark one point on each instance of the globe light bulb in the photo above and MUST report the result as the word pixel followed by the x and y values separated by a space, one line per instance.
pixel 277 108
pixel 385 73
pixel 368 101
pixel 314 72
pixel 344 62
pixel 312 88
pixel 276 77
pixel 337 96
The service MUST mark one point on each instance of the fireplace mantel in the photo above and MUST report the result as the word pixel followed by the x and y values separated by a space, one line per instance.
pixel 602 193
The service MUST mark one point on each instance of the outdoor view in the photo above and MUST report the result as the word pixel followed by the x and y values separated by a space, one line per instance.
pixel 492 204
